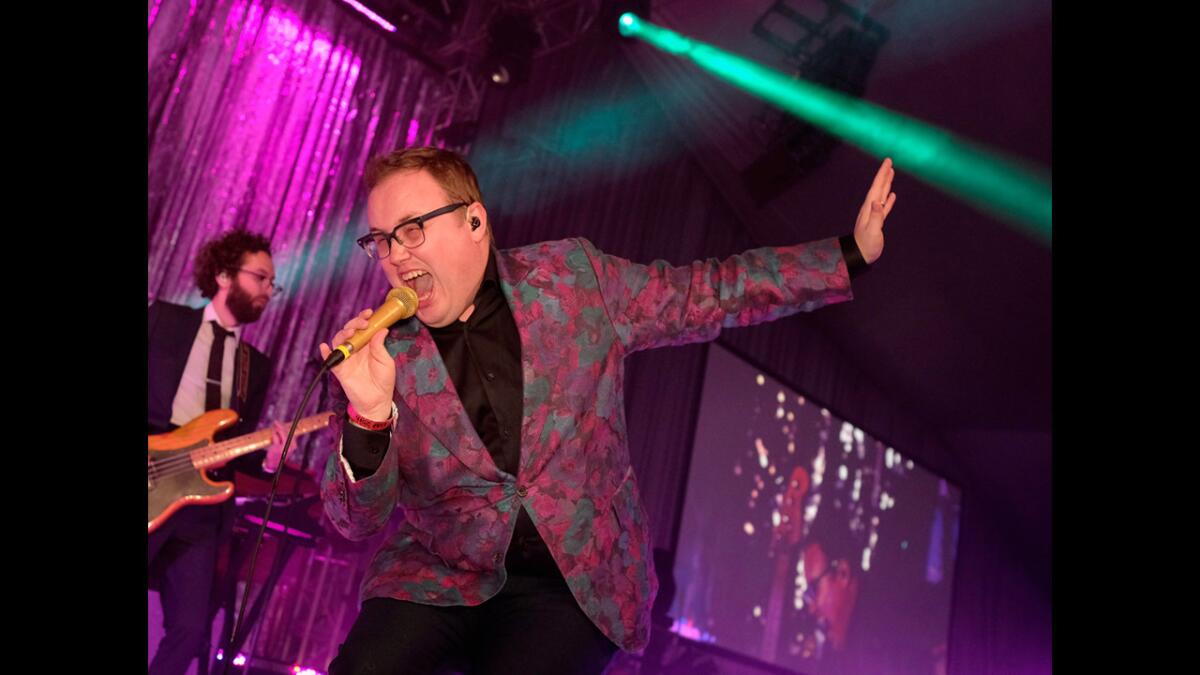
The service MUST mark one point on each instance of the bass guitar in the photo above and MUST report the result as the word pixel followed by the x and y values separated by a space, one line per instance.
pixel 176 461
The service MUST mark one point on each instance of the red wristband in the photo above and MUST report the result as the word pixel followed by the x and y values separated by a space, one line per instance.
pixel 369 425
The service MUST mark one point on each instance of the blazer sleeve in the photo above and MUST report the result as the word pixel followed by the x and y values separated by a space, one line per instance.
pixel 357 508
pixel 659 304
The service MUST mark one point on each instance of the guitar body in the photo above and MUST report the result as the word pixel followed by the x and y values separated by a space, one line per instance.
pixel 172 481
pixel 176 461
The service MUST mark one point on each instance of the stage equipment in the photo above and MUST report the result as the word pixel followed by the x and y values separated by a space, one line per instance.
pixel 473 45
pixel 823 41
pixel 1005 187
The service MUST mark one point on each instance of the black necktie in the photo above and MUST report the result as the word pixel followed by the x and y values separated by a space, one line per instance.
pixel 216 359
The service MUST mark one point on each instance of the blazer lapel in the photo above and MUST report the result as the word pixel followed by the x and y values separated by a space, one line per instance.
pixel 523 284
pixel 427 390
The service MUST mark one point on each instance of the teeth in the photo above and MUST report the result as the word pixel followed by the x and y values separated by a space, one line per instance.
pixel 412 275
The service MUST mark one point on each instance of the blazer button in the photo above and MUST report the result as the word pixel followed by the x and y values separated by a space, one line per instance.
pixel 497 558
pixel 522 491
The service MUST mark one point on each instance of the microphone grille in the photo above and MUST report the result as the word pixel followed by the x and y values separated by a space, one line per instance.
pixel 407 298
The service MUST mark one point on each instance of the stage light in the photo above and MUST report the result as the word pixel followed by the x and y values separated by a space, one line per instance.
pixel 513 39
pixel 1005 187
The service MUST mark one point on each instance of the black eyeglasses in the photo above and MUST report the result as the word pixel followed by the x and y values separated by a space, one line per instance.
pixel 410 233
pixel 264 278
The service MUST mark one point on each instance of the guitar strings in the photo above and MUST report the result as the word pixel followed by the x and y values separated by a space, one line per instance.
pixel 185 458
pixel 183 463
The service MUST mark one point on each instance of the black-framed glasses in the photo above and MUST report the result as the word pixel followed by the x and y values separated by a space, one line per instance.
pixel 264 278
pixel 410 233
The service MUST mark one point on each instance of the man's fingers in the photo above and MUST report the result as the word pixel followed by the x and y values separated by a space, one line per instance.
pixel 352 326
pixel 882 182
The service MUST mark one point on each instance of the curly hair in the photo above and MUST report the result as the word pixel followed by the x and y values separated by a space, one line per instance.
pixel 448 168
pixel 225 254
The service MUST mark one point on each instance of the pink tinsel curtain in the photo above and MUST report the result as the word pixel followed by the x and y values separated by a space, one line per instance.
pixel 262 114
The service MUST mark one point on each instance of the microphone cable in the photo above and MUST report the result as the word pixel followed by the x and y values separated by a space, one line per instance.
pixel 287 444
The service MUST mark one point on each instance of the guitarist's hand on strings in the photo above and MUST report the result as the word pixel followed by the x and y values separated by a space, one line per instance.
pixel 279 432
pixel 369 375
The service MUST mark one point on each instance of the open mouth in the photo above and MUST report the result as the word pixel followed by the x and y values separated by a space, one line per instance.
pixel 419 281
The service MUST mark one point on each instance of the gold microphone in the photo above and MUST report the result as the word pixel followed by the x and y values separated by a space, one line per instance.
pixel 401 303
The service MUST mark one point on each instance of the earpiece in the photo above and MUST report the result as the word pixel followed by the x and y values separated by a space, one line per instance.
pixel 475 223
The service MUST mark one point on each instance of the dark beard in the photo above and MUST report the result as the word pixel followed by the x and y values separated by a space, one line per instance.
pixel 241 305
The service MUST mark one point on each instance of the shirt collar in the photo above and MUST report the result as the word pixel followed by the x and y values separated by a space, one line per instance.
pixel 210 314
pixel 491 277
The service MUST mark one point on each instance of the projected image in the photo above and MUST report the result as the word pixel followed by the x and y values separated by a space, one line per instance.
pixel 807 543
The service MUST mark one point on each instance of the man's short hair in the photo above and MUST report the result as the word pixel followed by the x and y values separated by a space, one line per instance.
pixel 225 254
pixel 448 168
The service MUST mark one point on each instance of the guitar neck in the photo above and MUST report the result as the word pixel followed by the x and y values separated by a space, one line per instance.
pixel 220 453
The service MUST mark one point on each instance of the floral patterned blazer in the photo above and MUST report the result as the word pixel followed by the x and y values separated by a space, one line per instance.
pixel 578 312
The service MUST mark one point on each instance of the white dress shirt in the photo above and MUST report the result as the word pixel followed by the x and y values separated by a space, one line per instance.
pixel 190 397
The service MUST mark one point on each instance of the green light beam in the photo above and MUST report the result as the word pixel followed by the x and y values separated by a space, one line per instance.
pixel 1001 186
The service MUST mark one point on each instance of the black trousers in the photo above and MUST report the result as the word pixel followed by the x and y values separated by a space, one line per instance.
pixel 185 548
pixel 533 626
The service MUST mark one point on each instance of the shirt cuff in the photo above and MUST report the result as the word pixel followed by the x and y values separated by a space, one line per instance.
pixel 855 263
pixel 362 450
